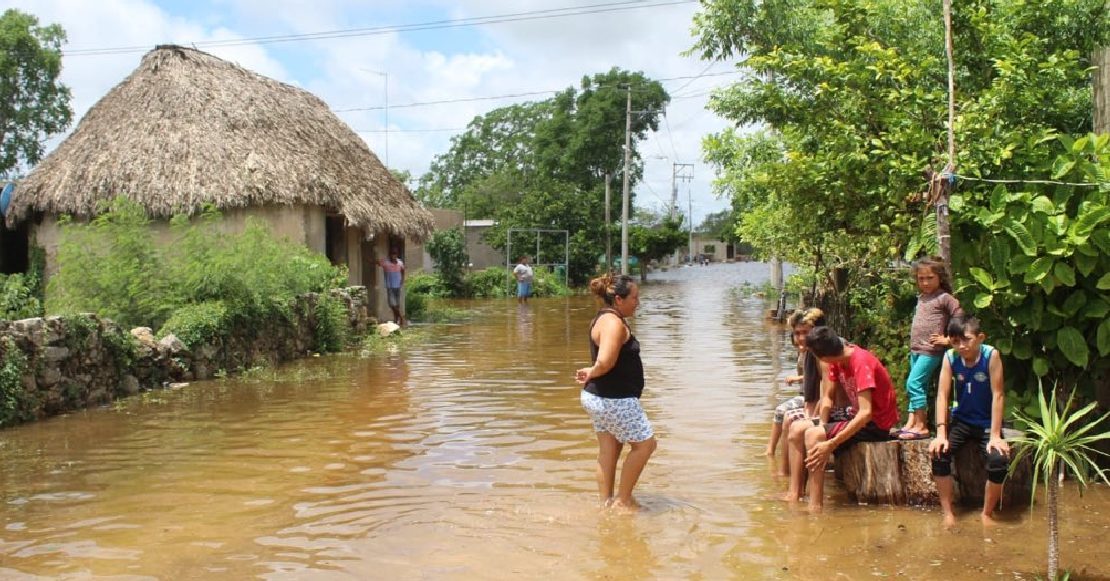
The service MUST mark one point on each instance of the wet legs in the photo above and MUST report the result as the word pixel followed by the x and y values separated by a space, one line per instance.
pixel 608 452
pixel 630 472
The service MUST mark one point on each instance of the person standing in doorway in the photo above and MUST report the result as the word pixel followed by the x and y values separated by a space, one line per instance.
pixel 524 276
pixel 394 270
pixel 612 389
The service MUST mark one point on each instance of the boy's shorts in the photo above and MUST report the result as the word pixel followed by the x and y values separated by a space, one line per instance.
pixel 868 433
pixel 623 418
pixel 393 296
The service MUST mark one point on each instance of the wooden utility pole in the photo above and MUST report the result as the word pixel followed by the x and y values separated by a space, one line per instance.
pixel 940 184
pixel 627 179
pixel 1101 62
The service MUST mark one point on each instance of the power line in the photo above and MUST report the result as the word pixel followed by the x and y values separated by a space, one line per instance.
pixel 513 95
pixel 380 30
pixel 436 130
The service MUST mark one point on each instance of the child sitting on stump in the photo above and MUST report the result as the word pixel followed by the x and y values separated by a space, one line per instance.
pixel 870 393
pixel 976 370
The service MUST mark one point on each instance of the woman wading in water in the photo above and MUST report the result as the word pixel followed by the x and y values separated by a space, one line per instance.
pixel 613 385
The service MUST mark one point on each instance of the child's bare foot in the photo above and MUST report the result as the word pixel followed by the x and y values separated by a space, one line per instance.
pixel 988 519
pixel 949 521
pixel 791 497
pixel 816 507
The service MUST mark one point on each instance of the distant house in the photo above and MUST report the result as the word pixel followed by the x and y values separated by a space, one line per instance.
pixel 187 129
pixel 479 253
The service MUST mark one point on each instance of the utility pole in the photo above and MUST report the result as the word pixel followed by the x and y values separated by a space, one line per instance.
pixel 608 227
pixel 690 201
pixel 627 179
pixel 679 173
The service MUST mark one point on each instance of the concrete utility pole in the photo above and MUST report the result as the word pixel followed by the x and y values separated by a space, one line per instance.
pixel 608 229
pixel 678 173
pixel 690 201
pixel 627 180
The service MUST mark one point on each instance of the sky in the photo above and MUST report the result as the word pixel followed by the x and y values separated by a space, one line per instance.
pixel 391 59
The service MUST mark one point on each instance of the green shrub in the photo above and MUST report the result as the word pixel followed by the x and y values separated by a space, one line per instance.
pixel 423 283
pixel 112 267
pixel 547 284
pixel 491 283
pixel 20 296
pixel 416 305
pixel 448 250
pixel 331 324
pixel 14 400
pixel 199 324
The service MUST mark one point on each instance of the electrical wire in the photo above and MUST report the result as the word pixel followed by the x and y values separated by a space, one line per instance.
pixel 380 30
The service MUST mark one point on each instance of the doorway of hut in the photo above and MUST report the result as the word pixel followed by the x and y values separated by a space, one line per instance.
pixel 335 239
pixel 14 248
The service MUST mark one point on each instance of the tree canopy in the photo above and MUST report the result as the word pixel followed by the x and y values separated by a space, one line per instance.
pixel 543 164
pixel 850 98
pixel 33 103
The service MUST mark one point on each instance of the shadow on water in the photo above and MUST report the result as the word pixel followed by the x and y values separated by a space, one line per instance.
pixel 468 457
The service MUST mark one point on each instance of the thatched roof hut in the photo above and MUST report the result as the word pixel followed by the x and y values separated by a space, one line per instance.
pixel 187 129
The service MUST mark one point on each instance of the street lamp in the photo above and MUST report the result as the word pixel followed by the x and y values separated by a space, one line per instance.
pixel 386 76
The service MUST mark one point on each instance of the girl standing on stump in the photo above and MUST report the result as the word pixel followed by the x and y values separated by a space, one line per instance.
pixel 613 385
pixel 935 307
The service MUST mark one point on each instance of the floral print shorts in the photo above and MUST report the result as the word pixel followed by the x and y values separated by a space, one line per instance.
pixel 623 418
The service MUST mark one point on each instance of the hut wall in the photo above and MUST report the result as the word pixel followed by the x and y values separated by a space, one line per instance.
pixel 300 224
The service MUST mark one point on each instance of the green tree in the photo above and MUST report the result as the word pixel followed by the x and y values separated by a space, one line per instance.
pixel 853 94
pixel 653 241
pixel 448 250
pixel 33 104
pixel 542 164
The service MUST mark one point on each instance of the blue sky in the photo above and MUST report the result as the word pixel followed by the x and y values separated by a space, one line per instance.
pixel 457 63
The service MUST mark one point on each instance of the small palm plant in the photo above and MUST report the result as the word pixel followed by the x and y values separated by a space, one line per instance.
pixel 1057 441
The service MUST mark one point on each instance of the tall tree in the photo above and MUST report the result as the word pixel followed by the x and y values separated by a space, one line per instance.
pixel 542 164
pixel 33 103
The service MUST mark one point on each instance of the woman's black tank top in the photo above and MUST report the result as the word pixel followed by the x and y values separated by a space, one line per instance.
pixel 626 378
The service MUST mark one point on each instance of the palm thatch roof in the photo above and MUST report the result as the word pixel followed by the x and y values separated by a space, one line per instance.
pixel 187 129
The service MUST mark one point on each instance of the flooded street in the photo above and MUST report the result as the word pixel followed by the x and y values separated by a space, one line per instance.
pixel 468 457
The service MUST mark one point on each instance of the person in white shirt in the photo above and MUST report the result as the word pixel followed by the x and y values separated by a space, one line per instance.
pixel 524 276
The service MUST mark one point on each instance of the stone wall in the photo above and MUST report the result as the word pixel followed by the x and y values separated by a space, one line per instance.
pixel 53 365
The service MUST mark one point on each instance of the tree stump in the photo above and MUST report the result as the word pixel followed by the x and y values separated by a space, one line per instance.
pixel 900 472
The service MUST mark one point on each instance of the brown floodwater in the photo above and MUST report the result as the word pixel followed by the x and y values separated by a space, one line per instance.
pixel 467 456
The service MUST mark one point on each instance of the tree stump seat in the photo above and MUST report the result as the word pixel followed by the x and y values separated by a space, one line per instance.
pixel 900 472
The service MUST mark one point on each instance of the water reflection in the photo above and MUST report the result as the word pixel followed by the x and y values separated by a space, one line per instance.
pixel 468 457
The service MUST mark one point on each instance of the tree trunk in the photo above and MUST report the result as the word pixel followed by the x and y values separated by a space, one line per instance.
pixel 900 472
pixel 1054 525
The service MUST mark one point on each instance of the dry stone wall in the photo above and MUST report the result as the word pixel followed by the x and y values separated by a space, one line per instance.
pixel 53 365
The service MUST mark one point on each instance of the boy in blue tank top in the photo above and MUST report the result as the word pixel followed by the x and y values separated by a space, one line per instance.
pixel 975 370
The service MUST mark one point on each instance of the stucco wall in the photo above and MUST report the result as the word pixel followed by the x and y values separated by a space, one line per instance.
pixel 300 224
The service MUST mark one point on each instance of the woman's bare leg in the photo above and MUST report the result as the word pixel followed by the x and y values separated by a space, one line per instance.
pixel 608 452
pixel 630 472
